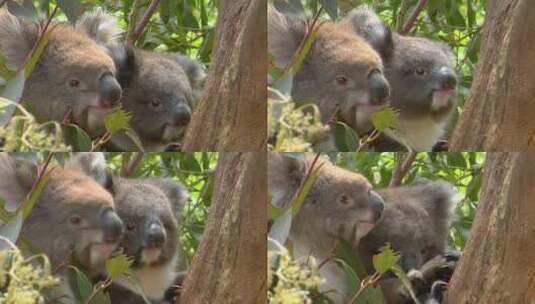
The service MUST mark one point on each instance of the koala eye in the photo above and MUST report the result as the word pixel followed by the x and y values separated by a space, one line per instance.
pixel 74 83
pixel 341 80
pixel 130 226
pixel 155 103
pixel 420 71
pixel 344 200
pixel 75 220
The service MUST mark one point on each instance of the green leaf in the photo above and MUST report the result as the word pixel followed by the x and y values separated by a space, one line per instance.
pixel 30 66
pixel 119 265
pixel 402 276
pixel 117 120
pixel 11 229
pixel 13 92
pixel 274 212
pixel 346 253
pixel 345 138
pixel 77 138
pixel 385 260
pixel 28 204
pixel 384 119
pixel 309 40
pixel 331 7
pixel 80 284
pixel 304 189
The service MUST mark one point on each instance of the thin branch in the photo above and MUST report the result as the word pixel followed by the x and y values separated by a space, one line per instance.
pixel 130 164
pixel 402 169
pixel 412 19
pixel 138 30
pixel 41 35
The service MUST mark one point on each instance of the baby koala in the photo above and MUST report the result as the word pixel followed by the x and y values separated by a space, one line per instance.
pixel 422 80
pixel 150 211
pixel 160 92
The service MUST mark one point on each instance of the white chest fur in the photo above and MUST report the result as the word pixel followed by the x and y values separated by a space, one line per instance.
pixel 419 134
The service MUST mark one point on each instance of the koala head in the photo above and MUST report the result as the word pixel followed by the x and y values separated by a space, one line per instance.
pixel 74 71
pixel 341 70
pixel 74 214
pixel 160 91
pixel 340 205
pixel 420 71
pixel 149 209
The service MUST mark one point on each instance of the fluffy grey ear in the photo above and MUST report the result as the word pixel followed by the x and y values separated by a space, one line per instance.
pixel 18 177
pixel 100 26
pixel 367 24
pixel 195 73
pixel 284 36
pixel 17 38
pixel 175 192
pixel 92 164
pixel 285 174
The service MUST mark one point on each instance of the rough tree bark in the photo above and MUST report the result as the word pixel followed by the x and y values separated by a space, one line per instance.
pixel 230 265
pixel 499 114
pixel 232 113
pixel 497 265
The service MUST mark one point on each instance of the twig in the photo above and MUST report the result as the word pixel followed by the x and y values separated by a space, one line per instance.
pixel 41 35
pixel 134 35
pixel 130 165
pixel 401 15
pixel 367 282
pixel 100 141
pixel 412 19
pixel 402 169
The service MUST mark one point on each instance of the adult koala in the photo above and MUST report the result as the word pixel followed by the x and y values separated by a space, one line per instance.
pixel 74 216
pixel 74 73
pixel 340 73
pixel 422 81
pixel 160 92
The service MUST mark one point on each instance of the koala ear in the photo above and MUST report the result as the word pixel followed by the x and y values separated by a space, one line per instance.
pixel 176 192
pixel 17 38
pixel 284 36
pixel 285 174
pixel 367 24
pixel 18 177
pixel 124 58
pixel 194 71
pixel 94 165
pixel 99 26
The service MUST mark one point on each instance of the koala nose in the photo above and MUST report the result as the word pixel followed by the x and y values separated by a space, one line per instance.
pixel 155 235
pixel 448 80
pixel 110 90
pixel 112 226
pixel 377 204
pixel 379 89
pixel 182 116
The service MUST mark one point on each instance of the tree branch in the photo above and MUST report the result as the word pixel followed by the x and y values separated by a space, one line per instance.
pixel 130 164
pixel 138 30
pixel 412 19
pixel 402 169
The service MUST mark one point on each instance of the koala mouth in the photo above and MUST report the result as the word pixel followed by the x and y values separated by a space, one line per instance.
pixel 441 99
pixel 100 252
pixel 172 133
pixel 150 255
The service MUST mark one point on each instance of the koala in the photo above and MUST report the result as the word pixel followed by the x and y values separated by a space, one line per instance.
pixel 159 91
pixel 73 218
pixel 341 71
pixel 74 73
pixel 340 205
pixel 149 209
pixel 421 77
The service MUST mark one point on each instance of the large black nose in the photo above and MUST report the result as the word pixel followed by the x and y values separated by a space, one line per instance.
pixel 156 236
pixel 110 90
pixel 182 115
pixel 379 89
pixel 112 226
pixel 448 80
pixel 377 204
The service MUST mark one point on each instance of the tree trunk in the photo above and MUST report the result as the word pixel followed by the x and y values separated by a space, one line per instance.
pixel 232 113
pixel 230 264
pixel 499 114
pixel 497 265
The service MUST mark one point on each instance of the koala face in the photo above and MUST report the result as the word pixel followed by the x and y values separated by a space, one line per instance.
pixel 74 215
pixel 160 91
pixel 421 76
pixel 74 72
pixel 340 204
pixel 341 70
pixel 147 208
